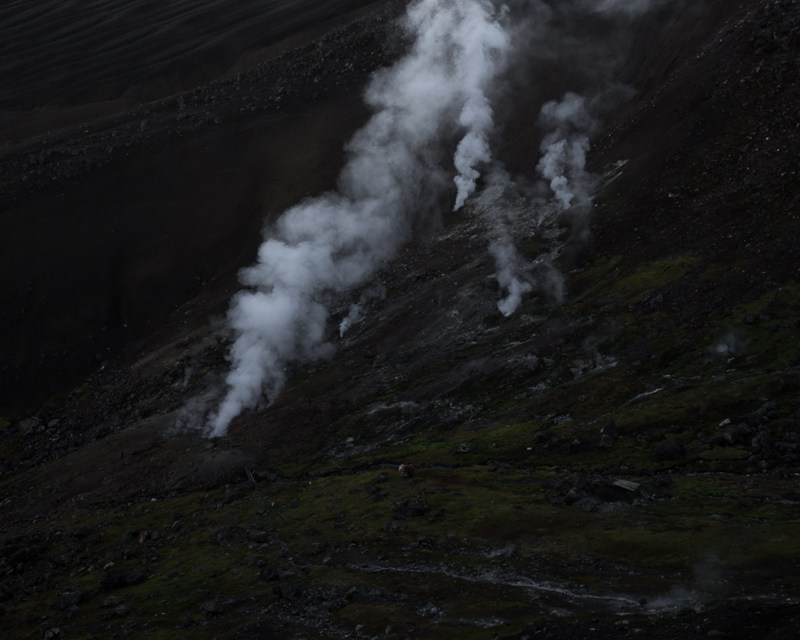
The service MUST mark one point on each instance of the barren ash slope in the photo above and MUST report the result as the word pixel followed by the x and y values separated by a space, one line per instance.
pixel 589 370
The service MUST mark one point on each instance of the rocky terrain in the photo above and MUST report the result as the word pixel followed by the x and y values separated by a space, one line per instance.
pixel 623 463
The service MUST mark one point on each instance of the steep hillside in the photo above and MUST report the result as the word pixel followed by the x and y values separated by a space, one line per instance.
pixel 617 457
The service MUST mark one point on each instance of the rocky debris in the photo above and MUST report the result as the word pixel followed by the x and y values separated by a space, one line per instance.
pixel 286 590
pixel 237 493
pixel 227 535
pixel 258 536
pixel 220 606
pixel 69 599
pixel 338 61
pixel 29 426
pixel 609 435
pixel 590 492
pixel 265 475
pixel 769 433
pixel 406 470
pixel 733 435
pixel 668 450
pixel 111 602
pixel 627 485
pixel 18 553
pixel 114 580
pixel 498 466
pixel 601 493
pixel 272 575
pixel 723 620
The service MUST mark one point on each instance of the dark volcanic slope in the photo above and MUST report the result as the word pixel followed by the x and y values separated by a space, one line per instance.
pixel 621 465
pixel 116 222
pixel 66 53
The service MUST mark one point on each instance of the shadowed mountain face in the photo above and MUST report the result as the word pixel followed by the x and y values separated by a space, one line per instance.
pixel 144 210
pixel 74 53
pixel 613 454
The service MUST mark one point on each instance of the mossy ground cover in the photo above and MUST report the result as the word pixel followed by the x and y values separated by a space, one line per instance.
pixel 335 530
pixel 511 512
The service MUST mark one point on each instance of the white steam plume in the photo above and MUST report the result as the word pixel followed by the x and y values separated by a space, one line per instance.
pixel 501 214
pixel 485 62
pixel 335 242
pixel 568 125
pixel 624 7
pixel 564 148
pixel 504 206
pixel 354 316
pixel 508 275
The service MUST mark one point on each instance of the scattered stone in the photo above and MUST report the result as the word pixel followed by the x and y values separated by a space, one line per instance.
pixel 668 450
pixel 465 447
pixel 258 536
pixel 762 441
pixel 276 574
pixel 70 599
pixel 214 608
pixel 424 542
pixel 111 602
pixel 265 475
pixel 137 576
pixel 53 634
pixel 737 434
pixel 497 466
pixel 29 426
pixel 391 527
pixel 589 503
pixel 237 493
pixel 406 470
pixel 227 535
pixel 626 484
pixel 609 435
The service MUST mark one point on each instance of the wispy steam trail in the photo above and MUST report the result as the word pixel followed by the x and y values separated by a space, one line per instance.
pixel 486 52
pixel 564 148
pixel 335 242
pixel 568 125
pixel 501 215
pixel 503 210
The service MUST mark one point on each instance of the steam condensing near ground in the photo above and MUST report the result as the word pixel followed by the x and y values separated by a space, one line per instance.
pixel 436 97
